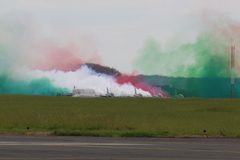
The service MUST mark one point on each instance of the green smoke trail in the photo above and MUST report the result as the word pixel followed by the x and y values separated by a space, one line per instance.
pixel 41 86
pixel 204 65
pixel 207 57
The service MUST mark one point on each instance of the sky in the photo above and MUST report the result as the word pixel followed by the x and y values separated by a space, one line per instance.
pixel 113 32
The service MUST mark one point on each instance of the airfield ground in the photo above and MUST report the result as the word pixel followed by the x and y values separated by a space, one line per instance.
pixel 120 117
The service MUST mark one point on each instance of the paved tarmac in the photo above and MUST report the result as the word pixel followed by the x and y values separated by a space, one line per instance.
pixel 105 148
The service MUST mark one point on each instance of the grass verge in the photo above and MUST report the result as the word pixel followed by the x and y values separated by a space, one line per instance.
pixel 119 117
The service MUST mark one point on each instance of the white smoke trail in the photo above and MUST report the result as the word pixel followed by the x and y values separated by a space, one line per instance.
pixel 83 78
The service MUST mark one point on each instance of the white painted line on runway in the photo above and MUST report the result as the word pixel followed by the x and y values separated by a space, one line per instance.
pixel 66 144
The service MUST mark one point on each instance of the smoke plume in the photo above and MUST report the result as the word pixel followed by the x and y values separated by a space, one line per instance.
pixel 204 64
pixel 33 63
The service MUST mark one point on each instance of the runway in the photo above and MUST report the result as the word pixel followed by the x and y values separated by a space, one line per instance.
pixel 101 148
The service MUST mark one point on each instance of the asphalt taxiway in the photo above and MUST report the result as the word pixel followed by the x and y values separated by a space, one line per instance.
pixel 117 148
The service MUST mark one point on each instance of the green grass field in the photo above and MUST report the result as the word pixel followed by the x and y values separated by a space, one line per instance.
pixel 133 117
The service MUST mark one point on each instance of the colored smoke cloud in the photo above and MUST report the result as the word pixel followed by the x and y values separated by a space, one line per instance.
pixel 201 67
pixel 208 56
pixel 34 64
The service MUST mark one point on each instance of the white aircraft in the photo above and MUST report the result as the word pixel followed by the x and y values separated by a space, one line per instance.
pixel 157 95
pixel 137 95
pixel 87 92
pixel 178 95
pixel 109 94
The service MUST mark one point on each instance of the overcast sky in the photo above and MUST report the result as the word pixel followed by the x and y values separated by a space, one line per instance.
pixel 118 28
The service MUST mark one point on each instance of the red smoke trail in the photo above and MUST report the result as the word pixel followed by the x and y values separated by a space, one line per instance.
pixel 140 83
pixel 60 59
pixel 63 59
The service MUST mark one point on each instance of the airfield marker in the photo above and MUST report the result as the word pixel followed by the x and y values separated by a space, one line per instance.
pixel 205 133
